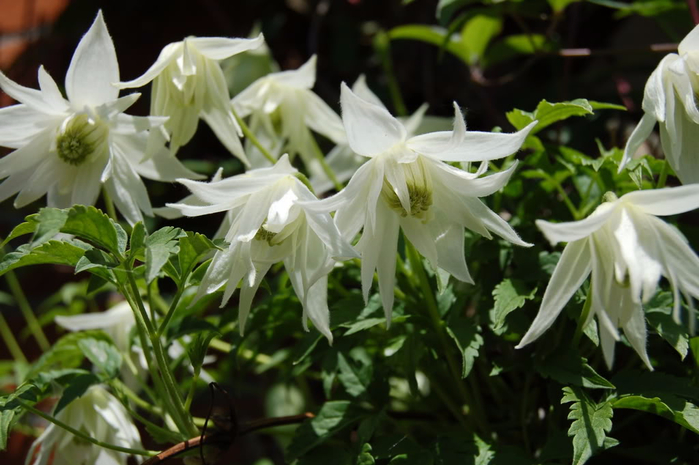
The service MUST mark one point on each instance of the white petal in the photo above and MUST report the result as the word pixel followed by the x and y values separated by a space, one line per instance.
pixel 218 273
pixel 220 48
pixel 167 55
pixel 30 97
pixel 20 124
pixel 413 123
pixel 93 68
pixel 574 230
pixel 223 123
pixel 450 248
pixel 690 43
pixel 36 151
pixel 420 236
pixel 127 190
pixel 463 182
pixel 14 184
pixel 163 167
pixel 572 270
pixel 681 77
pixel 49 89
pixel 655 94
pixel 87 183
pixel 302 78
pixel 666 201
pixel 638 136
pixel 496 223
pixel 371 130
pixel 678 137
pixel 324 227
pixel 636 332
pixel 41 180
pixel 317 307
pixel 362 90
pixel 247 292
pixel 323 119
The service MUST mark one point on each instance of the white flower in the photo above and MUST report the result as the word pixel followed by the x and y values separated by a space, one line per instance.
pixel 405 186
pixel 69 148
pixel 670 99
pixel 97 413
pixel 284 100
pixel 188 83
pixel 270 220
pixel 627 249
pixel 344 162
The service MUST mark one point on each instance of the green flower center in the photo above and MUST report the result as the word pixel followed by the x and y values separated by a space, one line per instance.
pixel 265 235
pixel 79 139
pixel 419 184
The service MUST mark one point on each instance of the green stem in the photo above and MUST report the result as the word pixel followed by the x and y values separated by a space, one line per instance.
pixel 573 211
pixel 438 324
pixel 27 311
pixel 118 385
pixel 190 394
pixel 10 341
pixel 248 133
pixel 583 317
pixel 82 435
pixel 109 205
pixel 170 312
pixel 383 46
pixel 324 164
pixel 663 176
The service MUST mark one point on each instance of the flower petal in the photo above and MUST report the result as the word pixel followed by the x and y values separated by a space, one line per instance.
pixel 464 183
pixel 220 48
pixel 655 94
pixel 21 124
pixel 450 248
pixel 574 230
pixel 371 129
pixel 49 89
pixel 247 292
pixel 41 180
pixel 167 55
pixel 127 189
pixel 30 97
pixel 638 136
pixel 302 78
pixel 573 268
pixel 666 201
pixel 93 68
pixel 690 42
pixel 88 183
pixel 323 119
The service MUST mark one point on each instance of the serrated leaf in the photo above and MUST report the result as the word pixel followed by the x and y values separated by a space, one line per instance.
pixel 159 246
pixel 95 258
pixel 138 237
pixel 64 353
pixel 591 423
pixel 75 389
pixel 54 252
pixel 659 315
pixel 509 295
pixel 680 411
pixel 196 350
pixel 193 247
pixel 333 417
pixel 515 45
pixel 103 355
pixel 91 224
pixel 465 334
pixel 567 367
pixel 355 380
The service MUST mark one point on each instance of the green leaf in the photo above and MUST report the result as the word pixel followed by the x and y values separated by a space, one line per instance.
pixel 66 252
pixel 64 353
pixel 365 457
pixel 361 325
pixel 548 113
pixel 354 379
pixel 196 350
pixel 6 423
pixel 477 34
pixel 467 338
pixel 432 35
pixel 659 315
pixel 447 8
pixel 332 418
pixel 560 5
pixel 680 411
pixel 95 258
pixel 591 423
pixel 91 224
pixel 193 247
pixel 509 295
pixel 567 367
pixel 515 45
pixel 159 246
pixel 694 347
pixel 103 355
pixel 75 389
pixel 138 237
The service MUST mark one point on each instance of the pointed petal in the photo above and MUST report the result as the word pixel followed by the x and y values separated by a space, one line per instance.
pixel 638 136
pixel 225 127
pixel 573 268
pixel 164 167
pixel 655 94
pixel 30 97
pixel 220 48
pixel 302 78
pixel 362 90
pixel 323 119
pixel 690 42
pixel 450 248
pixel 88 183
pixel 464 183
pixel 371 130
pixel 49 89
pixel 36 151
pixel 317 307
pixel 496 223
pixel 636 332
pixel 247 292
pixel 420 236
pixel 21 124
pixel 167 56
pixel 14 184
pixel 574 230
pixel 93 69
pixel 127 189
pixel 41 180
pixel 666 201
pixel 412 124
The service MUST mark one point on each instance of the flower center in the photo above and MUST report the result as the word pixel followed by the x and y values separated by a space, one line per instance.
pixel 265 235
pixel 79 138
pixel 419 184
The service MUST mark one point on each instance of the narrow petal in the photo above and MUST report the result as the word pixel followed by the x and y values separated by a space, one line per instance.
pixel 323 119
pixel 690 42
pixel 14 184
pixel 36 151
pixel 317 307
pixel 666 201
pixel 574 230
pixel 573 268
pixel 93 68
pixel 20 125
pixel 49 89
pixel 464 183
pixel 420 236
pixel 247 292
pixel 370 129
pixel 30 97
pixel 127 190
pixel 496 223
pixel 413 123
pixel 88 183
pixel 302 78
pixel 220 48
pixel 167 56
pixel 636 332
pixel 655 94
pixel 450 248
pixel 163 167
pixel 638 137
pixel 41 180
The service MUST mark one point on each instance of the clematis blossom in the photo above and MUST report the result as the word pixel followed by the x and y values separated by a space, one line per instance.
pixel 188 83
pixel 270 219
pixel 670 100
pixel 97 413
pixel 70 148
pixel 627 249
pixel 283 110
pixel 405 185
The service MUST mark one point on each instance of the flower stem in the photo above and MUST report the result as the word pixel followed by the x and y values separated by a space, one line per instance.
pixel 109 205
pixel 26 308
pixel 170 312
pixel 82 435
pixel 663 176
pixel 248 133
pixel 324 164
pixel 382 43
pixel 438 324
pixel 10 341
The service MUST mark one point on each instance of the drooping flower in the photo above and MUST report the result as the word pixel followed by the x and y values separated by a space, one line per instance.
pixel 627 249
pixel 284 110
pixel 68 149
pixel 670 100
pixel 97 413
pixel 270 220
pixel 188 83
pixel 405 185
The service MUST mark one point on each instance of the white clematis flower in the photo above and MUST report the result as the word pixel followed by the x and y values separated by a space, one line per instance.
pixel 69 148
pixel 405 185
pixel 670 100
pixel 188 83
pixel 97 413
pixel 270 220
pixel 283 111
pixel 627 249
